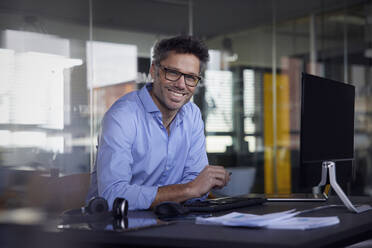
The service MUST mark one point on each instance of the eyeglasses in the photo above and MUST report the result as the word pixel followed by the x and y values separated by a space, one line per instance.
pixel 174 75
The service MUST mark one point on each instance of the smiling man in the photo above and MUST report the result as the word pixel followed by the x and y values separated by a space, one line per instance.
pixel 152 146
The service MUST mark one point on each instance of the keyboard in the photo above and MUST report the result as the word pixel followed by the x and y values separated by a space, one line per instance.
pixel 223 204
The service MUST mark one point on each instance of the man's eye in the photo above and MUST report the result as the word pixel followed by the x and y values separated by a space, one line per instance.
pixel 174 73
pixel 190 77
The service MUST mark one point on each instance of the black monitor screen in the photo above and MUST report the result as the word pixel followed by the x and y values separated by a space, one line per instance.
pixel 327 120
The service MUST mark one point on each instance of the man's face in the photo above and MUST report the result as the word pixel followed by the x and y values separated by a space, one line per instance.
pixel 169 95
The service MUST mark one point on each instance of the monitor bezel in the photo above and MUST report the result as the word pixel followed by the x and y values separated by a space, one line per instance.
pixel 302 161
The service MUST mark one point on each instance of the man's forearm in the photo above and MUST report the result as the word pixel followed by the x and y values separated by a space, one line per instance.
pixel 175 192
pixel 210 177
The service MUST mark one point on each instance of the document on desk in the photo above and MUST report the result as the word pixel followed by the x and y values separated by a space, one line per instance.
pixel 280 220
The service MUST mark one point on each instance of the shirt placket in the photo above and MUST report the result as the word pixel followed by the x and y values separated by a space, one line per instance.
pixel 167 159
pixel 171 147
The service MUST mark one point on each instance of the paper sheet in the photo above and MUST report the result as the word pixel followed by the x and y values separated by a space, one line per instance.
pixel 279 220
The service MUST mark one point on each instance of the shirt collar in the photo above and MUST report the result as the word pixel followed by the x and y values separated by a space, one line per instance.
pixel 150 106
pixel 180 114
pixel 146 99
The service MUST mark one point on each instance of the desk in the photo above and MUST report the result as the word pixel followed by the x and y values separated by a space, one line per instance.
pixel 351 229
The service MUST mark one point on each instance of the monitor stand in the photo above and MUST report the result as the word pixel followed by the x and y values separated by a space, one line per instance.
pixel 330 166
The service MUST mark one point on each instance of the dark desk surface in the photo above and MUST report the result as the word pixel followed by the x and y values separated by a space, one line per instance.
pixel 351 229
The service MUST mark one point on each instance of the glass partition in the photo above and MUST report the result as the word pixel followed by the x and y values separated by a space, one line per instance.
pixel 63 65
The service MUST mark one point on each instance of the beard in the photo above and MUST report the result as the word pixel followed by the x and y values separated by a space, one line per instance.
pixel 168 97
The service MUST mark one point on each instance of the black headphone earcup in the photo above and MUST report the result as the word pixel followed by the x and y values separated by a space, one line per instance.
pixel 120 207
pixel 97 205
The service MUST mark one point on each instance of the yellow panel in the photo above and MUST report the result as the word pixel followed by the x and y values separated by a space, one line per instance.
pixel 283 159
pixel 268 134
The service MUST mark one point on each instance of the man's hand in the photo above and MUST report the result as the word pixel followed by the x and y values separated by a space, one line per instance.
pixel 212 176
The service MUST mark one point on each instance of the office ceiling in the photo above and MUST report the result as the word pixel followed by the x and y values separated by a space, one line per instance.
pixel 211 17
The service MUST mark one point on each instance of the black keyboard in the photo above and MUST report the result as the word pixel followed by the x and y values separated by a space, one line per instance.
pixel 223 204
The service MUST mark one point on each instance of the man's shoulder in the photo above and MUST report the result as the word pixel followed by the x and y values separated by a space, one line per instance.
pixel 128 101
pixel 191 114
pixel 127 104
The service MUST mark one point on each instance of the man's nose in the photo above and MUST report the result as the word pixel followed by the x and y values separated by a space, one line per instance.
pixel 180 83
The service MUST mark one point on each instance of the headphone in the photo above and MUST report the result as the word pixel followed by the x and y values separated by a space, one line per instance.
pixel 95 205
pixel 98 205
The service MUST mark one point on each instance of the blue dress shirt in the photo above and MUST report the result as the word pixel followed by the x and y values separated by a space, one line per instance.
pixel 136 155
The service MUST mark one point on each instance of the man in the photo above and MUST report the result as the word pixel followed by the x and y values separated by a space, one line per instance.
pixel 152 146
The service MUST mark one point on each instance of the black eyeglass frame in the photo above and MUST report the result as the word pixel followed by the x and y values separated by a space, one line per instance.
pixel 166 70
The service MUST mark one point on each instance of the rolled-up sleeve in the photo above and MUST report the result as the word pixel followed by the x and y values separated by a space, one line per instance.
pixel 114 163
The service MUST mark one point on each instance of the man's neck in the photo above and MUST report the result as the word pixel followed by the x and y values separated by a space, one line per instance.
pixel 167 115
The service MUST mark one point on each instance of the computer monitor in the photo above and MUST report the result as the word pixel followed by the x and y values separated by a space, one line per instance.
pixel 327 129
